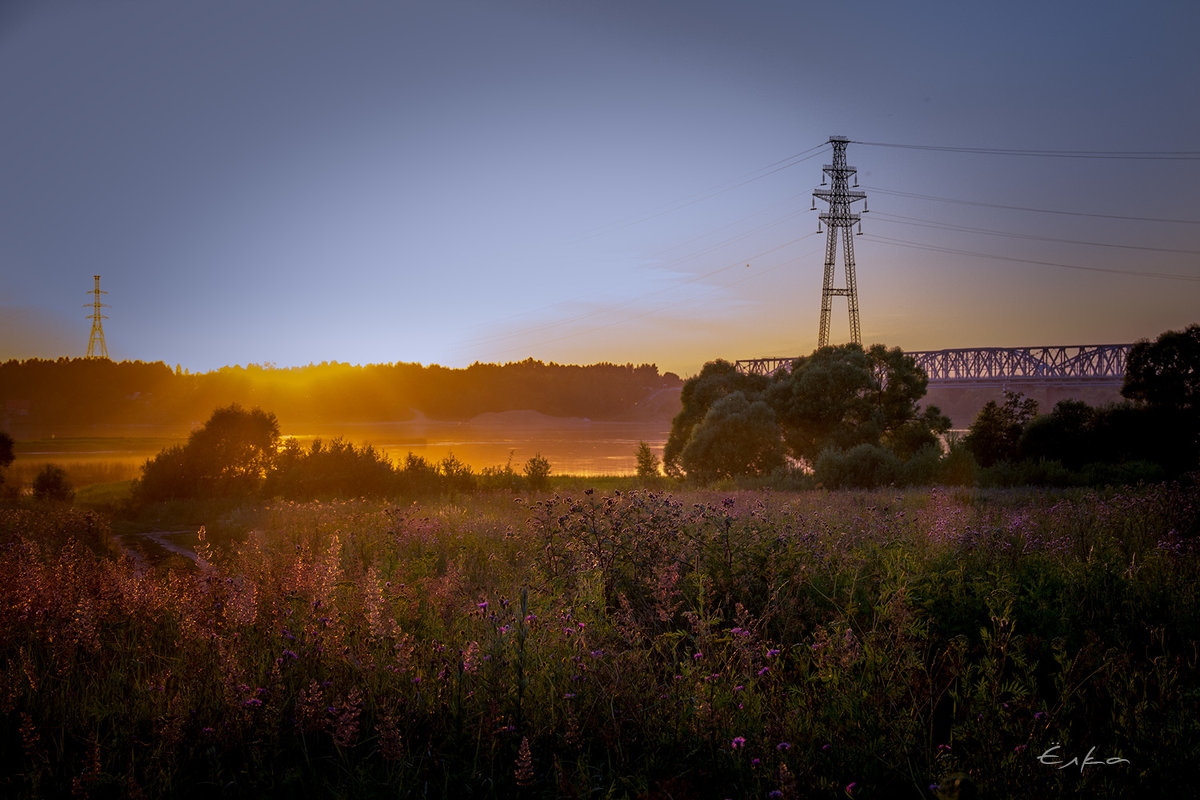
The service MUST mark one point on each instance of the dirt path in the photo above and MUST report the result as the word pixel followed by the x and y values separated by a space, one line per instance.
pixel 148 548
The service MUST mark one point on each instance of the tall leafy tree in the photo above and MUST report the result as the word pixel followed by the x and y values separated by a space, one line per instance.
pixel 736 437
pixel 716 380
pixel 229 456
pixel 840 397
pixel 1164 375
pixel 1066 435
pixel 1166 372
pixel 995 434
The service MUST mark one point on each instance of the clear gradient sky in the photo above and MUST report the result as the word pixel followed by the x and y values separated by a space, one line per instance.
pixel 444 181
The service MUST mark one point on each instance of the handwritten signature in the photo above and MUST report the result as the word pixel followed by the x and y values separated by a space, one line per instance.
pixel 1050 759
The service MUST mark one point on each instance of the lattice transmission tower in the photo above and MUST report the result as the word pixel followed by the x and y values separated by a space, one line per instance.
pixel 96 346
pixel 839 220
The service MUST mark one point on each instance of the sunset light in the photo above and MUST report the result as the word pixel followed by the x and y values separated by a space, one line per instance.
pixel 583 182
pixel 631 399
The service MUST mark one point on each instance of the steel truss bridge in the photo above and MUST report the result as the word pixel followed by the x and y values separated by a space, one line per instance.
pixel 999 367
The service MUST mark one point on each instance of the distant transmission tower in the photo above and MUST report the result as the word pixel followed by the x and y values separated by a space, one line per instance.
pixel 96 346
pixel 838 218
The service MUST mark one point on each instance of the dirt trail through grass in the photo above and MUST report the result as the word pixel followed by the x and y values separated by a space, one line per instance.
pixel 150 547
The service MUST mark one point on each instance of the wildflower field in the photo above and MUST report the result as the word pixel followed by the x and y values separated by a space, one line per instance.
pixel 613 644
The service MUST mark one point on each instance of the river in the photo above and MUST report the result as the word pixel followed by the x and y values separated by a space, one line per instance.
pixel 573 446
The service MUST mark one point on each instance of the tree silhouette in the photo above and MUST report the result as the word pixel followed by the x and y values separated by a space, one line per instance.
pixel 229 456
pixel 51 484
pixel 996 431
pixel 647 462
pixel 6 453
pixel 1166 372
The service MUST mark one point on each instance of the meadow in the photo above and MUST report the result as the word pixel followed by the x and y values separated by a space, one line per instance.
pixel 612 643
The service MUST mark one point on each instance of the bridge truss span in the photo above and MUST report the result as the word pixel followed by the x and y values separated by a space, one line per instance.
pixel 1096 364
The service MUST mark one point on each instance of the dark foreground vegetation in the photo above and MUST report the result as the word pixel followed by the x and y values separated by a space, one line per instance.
pixel 628 644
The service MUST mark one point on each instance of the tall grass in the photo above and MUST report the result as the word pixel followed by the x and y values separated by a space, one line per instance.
pixel 620 644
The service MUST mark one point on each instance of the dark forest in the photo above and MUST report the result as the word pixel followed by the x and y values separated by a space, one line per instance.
pixel 69 396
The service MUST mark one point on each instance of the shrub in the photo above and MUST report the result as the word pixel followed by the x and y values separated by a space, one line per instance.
pixel 864 466
pixel 52 484
pixel 502 477
pixel 419 477
pixel 1042 472
pixel 1124 474
pixel 959 467
pixel 647 462
pixel 338 469
pixel 6 453
pixel 456 475
pixel 923 467
pixel 537 472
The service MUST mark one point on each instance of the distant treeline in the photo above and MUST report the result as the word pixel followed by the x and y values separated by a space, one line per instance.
pixel 39 397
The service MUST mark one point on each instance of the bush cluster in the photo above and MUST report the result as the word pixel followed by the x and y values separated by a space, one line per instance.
pixel 237 455
pixel 1078 445
pixel 847 413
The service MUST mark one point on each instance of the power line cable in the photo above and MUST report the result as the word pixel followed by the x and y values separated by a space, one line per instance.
pixel 923 223
pixel 957 201
pixel 954 251
pixel 1136 155
pixel 758 174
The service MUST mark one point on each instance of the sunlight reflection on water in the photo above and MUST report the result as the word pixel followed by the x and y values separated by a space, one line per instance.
pixel 572 447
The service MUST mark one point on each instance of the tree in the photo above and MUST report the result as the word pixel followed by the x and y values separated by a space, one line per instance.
pixel 456 474
pixel 994 435
pixel 229 456
pixel 736 437
pixel 537 472
pixel 1066 435
pixel 419 476
pixel 6 453
pixel 844 396
pixel 334 469
pixel 647 462
pixel 235 447
pixel 921 433
pixel 716 380
pixel 52 484
pixel 1166 372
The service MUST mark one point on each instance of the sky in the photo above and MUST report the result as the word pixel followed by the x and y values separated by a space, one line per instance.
pixel 450 181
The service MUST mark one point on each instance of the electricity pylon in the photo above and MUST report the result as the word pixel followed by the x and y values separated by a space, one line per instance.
pixel 96 346
pixel 839 218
